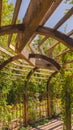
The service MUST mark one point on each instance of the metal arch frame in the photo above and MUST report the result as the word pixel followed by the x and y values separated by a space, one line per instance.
pixel 52 61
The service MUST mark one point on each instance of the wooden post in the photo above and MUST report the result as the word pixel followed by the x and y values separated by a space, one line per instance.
pixel 49 109
pixel 26 96
pixel 26 104
pixel 49 112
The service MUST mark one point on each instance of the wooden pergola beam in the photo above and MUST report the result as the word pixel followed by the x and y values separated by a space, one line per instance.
pixel 67 16
pixel 46 17
pixel 35 13
pixel 15 15
pixel 66 40
pixel 15 28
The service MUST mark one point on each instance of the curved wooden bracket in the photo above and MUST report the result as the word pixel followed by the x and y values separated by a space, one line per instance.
pixel 66 40
pixel 52 61
pixel 8 61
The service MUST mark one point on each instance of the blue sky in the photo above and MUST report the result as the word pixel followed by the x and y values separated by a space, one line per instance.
pixel 57 15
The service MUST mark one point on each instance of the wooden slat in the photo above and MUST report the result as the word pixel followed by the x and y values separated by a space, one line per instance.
pixel 6 52
pixel 40 45
pixel 22 70
pixel 15 15
pixel 32 48
pixel 42 42
pixel 66 40
pixel 70 33
pixel 35 13
pixel 62 53
pixel 20 65
pixel 67 16
pixel 67 62
pixel 50 11
pixel 0 11
pixel 66 50
pixel 41 50
pixel 52 46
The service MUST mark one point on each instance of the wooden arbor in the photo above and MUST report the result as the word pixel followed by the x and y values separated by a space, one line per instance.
pixel 31 26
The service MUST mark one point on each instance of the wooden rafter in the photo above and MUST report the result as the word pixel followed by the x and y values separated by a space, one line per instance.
pixel 0 11
pixel 31 21
pixel 45 18
pixel 57 35
pixel 6 52
pixel 52 46
pixel 70 33
pixel 67 16
pixel 50 11
pixel 15 15
pixel 62 53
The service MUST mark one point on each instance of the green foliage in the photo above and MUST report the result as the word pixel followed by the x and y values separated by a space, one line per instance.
pixel 70 1
pixel 41 122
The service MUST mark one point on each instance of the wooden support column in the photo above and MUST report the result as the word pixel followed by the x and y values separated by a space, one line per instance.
pixel 26 96
pixel 49 109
